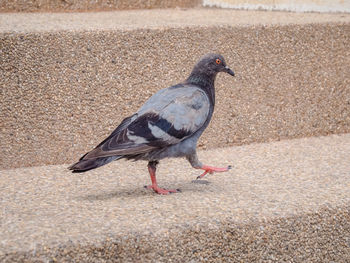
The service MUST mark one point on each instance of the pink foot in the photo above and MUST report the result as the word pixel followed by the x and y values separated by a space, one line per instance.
pixel 211 169
pixel 162 191
pixel 152 172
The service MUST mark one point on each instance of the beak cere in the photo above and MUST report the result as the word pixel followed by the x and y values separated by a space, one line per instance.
pixel 229 71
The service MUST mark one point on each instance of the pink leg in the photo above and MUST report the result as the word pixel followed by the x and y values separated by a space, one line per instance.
pixel 211 169
pixel 152 172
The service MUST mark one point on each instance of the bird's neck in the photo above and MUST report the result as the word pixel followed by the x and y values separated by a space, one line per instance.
pixel 205 82
pixel 202 79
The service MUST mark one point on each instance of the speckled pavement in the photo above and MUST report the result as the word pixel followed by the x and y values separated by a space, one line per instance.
pixel 282 201
pixel 88 5
pixel 68 79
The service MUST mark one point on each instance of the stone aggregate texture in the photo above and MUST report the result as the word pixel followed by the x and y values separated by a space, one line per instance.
pixel 68 79
pixel 285 201
pixel 88 5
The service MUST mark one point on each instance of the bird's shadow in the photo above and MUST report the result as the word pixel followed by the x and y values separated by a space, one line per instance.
pixel 142 192
pixel 123 193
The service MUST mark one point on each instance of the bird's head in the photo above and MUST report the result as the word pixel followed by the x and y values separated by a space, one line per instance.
pixel 211 64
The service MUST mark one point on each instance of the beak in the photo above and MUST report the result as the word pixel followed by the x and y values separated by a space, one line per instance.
pixel 229 71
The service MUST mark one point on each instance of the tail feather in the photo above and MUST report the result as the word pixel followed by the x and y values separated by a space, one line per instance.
pixel 89 164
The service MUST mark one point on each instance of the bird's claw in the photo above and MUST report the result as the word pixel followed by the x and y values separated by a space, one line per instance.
pixel 211 170
pixel 162 191
pixel 202 175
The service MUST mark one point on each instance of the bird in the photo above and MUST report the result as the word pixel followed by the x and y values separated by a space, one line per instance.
pixel 167 125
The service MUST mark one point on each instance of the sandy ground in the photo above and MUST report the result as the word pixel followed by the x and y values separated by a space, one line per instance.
pixel 282 194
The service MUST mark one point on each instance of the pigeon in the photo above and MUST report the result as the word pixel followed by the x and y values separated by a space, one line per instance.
pixel 169 124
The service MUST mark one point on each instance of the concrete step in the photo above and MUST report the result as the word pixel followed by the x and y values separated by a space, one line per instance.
pixel 284 201
pixel 68 79
pixel 86 5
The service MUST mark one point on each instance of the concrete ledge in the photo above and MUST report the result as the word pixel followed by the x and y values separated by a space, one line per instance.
pixel 69 79
pixel 157 19
pixel 86 5
pixel 315 237
pixel 282 201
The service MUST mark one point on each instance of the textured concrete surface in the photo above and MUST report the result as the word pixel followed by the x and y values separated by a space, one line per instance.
pixel 282 201
pixel 157 19
pixel 88 5
pixel 67 80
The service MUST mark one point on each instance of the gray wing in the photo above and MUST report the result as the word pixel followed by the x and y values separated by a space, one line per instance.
pixel 168 117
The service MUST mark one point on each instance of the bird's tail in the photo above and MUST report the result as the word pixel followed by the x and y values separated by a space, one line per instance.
pixel 88 164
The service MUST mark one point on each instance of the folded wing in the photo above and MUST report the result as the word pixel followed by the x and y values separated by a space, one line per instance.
pixel 167 118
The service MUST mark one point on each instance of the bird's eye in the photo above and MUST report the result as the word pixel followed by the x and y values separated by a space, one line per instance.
pixel 218 61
